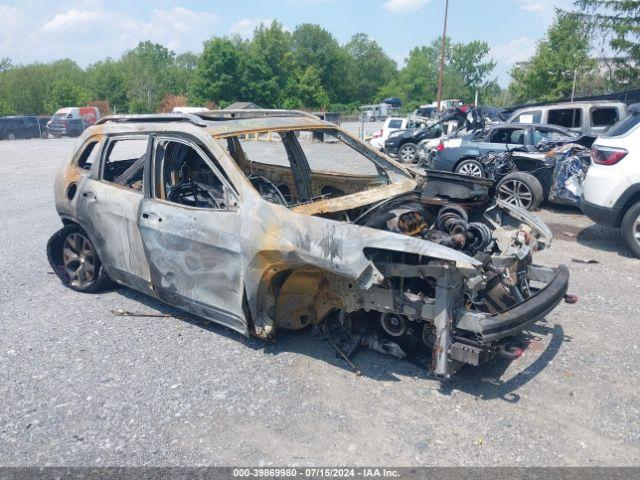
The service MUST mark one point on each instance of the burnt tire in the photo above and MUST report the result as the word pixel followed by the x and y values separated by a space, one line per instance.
pixel 74 260
pixel 630 229
pixel 521 189
pixel 470 167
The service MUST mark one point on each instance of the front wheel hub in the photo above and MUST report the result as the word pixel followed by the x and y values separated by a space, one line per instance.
pixel 79 260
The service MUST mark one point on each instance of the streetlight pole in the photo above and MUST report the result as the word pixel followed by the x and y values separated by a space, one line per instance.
pixel 442 49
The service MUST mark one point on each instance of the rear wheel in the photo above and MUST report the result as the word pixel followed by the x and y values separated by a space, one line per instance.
pixel 521 189
pixel 408 153
pixel 74 259
pixel 470 167
pixel 630 229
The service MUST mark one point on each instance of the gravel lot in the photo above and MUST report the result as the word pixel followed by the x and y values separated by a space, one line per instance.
pixel 80 386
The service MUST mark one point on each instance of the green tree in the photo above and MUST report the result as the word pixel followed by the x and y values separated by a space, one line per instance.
pixel 549 74
pixel 369 68
pixel 5 108
pixel 26 88
pixel 466 70
pixel 5 64
pixel 417 81
pixel 314 46
pixel 182 72
pixel 267 67
pixel 620 21
pixel 469 62
pixel 217 75
pixel 105 81
pixel 308 91
pixel 146 75
pixel 64 93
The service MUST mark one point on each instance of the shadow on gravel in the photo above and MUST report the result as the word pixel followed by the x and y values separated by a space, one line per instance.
pixel 602 238
pixel 483 382
pixel 594 236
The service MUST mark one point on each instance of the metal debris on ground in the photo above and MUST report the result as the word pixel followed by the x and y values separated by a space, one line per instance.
pixel 589 262
pixel 125 313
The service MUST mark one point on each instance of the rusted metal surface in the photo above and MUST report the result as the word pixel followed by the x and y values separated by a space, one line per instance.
pixel 256 266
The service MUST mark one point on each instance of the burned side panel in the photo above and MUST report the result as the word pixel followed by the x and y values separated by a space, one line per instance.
pixel 275 240
pixel 196 259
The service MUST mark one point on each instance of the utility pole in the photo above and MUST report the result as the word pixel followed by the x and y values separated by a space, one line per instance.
pixel 442 49
pixel 573 89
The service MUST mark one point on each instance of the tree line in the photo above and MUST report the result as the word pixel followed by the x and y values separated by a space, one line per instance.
pixel 564 62
pixel 307 68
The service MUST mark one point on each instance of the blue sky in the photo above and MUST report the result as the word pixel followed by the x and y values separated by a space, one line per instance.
pixel 89 30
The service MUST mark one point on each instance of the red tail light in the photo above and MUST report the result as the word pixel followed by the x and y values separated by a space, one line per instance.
pixel 607 155
pixel 440 146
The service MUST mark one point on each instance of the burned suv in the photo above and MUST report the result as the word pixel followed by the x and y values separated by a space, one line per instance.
pixel 267 220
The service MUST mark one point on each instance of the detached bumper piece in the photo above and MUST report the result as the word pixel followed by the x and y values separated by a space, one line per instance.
pixel 528 312
pixel 488 329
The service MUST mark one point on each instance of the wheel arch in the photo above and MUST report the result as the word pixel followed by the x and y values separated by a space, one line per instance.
pixel 462 159
pixel 290 297
pixel 629 198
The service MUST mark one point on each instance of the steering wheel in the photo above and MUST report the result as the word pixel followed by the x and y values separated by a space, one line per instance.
pixel 181 192
pixel 268 190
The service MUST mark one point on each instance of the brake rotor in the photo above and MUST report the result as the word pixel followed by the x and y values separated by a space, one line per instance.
pixel 393 325
pixel 429 335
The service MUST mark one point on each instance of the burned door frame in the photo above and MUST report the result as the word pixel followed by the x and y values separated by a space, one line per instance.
pixel 194 253
pixel 106 206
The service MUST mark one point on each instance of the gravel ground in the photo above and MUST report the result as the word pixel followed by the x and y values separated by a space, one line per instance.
pixel 82 387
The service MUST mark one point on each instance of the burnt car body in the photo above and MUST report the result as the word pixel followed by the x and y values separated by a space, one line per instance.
pixel 199 220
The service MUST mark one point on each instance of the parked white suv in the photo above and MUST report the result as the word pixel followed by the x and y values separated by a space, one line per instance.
pixel 611 189
pixel 390 125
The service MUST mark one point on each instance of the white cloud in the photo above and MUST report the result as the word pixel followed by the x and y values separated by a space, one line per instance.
pixel 11 21
pixel 71 19
pixel 181 29
pixel 516 50
pixel 538 7
pixel 544 8
pixel 246 26
pixel 506 54
pixel 404 6
pixel 89 30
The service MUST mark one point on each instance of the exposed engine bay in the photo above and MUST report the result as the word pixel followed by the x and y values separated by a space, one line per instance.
pixel 425 307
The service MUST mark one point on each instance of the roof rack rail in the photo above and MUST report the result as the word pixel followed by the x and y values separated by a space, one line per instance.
pixel 154 118
pixel 252 113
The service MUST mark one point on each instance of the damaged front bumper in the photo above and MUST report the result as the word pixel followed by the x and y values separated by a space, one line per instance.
pixel 477 336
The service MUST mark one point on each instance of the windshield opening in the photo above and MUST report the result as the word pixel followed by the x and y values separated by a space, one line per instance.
pixel 294 167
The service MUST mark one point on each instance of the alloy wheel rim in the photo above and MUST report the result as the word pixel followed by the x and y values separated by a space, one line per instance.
pixel 408 154
pixel 636 230
pixel 79 260
pixel 470 169
pixel 516 193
